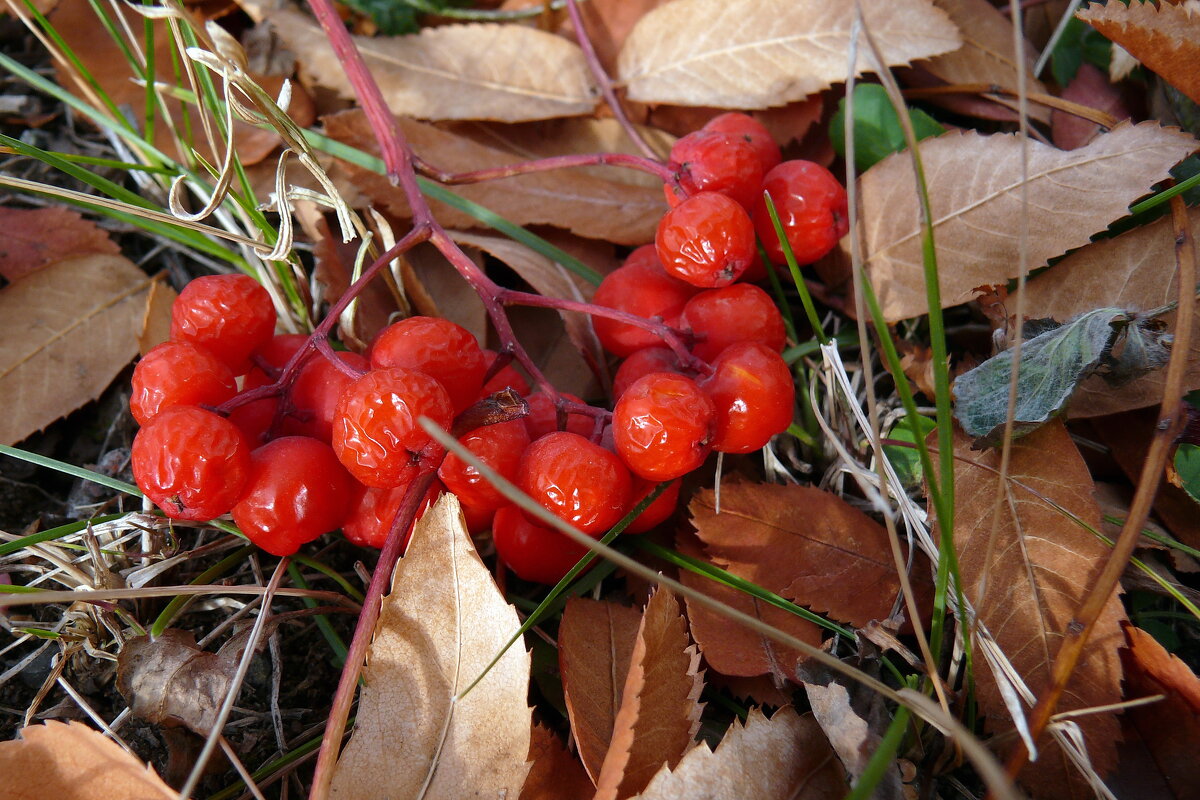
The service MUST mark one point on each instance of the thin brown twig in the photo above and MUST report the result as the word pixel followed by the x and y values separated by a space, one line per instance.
pixel 1101 118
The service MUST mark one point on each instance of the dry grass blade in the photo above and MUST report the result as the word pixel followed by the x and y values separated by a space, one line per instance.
pixel 762 53
pixel 1165 37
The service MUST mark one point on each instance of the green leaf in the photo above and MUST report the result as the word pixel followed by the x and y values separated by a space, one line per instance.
pixel 1187 466
pixel 907 460
pixel 877 131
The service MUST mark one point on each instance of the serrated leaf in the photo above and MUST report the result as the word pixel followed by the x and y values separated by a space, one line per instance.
pixel 1042 565
pixel 438 629
pixel 37 237
pixel 1165 38
pixel 762 53
pixel 786 757
pixel 438 73
pixel 554 774
pixel 877 131
pixel 1052 365
pixel 974 184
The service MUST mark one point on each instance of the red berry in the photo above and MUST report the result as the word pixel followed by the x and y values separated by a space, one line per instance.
pixel 663 426
pixel 739 313
pixel 752 390
pixel 437 347
pixel 812 208
pixel 296 491
pixel 375 430
pixel 191 463
pixel 641 363
pixel 232 315
pixel 371 517
pixel 314 396
pixel 499 446
pixel 479 520
pixel 643 256
pixel 254 419
pixel 641 289
pixel 271 358
pixel 707 240
pixel 531 550
pixel 543 417
pixel 178 374
pixel 752 131
pixel 506 378
pixel 576 480
pixel 659 510
pixel 711 161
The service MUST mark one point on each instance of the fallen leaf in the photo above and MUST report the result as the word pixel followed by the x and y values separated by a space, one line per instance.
pixel 660 708
pixel 156 320
pixel 584 204
pixel 1165 38
pixel 608 23
pixel 438 629
pixel 987 55
pixel 974 187
pixel 554 773
pixel 37 237
pixel 1157 757
pixel 805 544
pixel 595 643
pixel 333 271
pixel 1091 88
pixel 546 341
pixel 761 53
pixel 70 761
pixel 439 73
pixel 786 757
pixel 65 332
pixel 1042 565
pixel 729 647
pixel 437 289
pixel 851 736
pixel 1135 270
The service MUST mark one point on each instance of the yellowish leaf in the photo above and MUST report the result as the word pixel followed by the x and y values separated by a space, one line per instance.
pixel 974 186
pixel 439 627
pixel 65 332
pixel 761 53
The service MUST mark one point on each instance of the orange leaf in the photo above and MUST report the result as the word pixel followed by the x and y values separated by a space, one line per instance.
pixel 1166 38
pixel 660 709
pixel 595 642
pixel 35 238
pixel 555 774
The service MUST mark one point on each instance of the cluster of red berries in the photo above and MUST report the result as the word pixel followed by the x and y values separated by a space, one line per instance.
pixel 311 443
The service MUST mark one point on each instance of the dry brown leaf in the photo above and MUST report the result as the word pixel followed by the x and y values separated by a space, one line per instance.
pixel 729 647
pixel 65 333
pixel 1135 270
pixel 438 628
pixel 1158 754
pixel 554 774
pixel 437 289
pixel 595 643
pixel 1092 88
pixel 581 203
pixel 1043 565
pixel 37 237
pixel 987 54
pixel 761 53
pixel 73 762
pixel 1165 38
pixel 786 757
pixel 974 188
pixel 805 544
pixel 851 737
pixel 546 341
pixel 509 73
pixel 660 708
pixel 156 320
pixel 608 23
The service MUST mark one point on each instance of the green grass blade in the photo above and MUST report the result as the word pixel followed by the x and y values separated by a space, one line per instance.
pixel 70 469
pixel 54 533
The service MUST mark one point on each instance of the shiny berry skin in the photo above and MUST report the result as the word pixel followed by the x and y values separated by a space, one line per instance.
pixel 375 431
pixel 437 347
pixel 232 315
pixel 313 398
pixel 372 514
pixel 707 240
pixel 643 289
pixel 500 446
pixel 178 374
pixel 663 426
pixel 751 388
pixel 543 417
pixel 812 208
pixel 711 161
pixel 751 130
pixel 643 256
pixel 192 463
pixel 531 550
pixel 577 481
pixel 506 378
pixel 739 313
pixel 659 510
pixel 296 491
pixel 270 359
pixel 643 362
pixel 254 419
